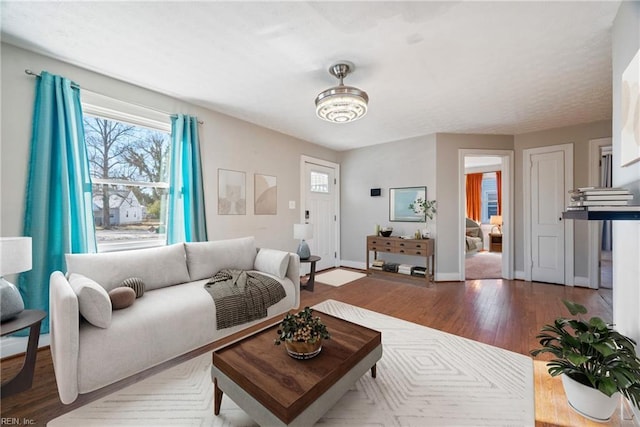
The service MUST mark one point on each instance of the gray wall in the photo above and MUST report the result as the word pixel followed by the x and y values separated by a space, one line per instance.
pixel 626 234
pixel 406 163
pixel 226 143
pixel 579 136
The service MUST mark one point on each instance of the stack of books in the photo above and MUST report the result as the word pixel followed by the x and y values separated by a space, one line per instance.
pixel 601 199
pixel 390 266
pixel 405 269
pixel 419 271
pixel 377 264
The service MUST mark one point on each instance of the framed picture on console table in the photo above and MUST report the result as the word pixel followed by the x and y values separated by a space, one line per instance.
pixel 399 201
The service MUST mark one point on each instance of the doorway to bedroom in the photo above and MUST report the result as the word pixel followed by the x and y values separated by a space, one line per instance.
pixel 485 206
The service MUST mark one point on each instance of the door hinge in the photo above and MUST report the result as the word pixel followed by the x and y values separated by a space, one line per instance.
pixel 335 254
pixel 335 181
pixel 335 217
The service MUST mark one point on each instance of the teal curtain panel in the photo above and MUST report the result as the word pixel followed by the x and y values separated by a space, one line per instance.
pixel 186 217
pixel 58 214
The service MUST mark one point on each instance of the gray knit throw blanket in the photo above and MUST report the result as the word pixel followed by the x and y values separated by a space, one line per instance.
pixel 242 296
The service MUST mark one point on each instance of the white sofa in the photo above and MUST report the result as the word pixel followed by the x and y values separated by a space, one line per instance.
pixel 174 316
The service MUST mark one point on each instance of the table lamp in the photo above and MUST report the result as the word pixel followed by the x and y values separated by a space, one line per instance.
pixel 496 221
pixel 15 257
pixel 302 232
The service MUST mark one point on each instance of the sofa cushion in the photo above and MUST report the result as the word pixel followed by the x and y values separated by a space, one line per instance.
pixel 93 301
pixel 122 297
pixel 156 267
pixel 136 284
pixel 204 259
pixel 272 261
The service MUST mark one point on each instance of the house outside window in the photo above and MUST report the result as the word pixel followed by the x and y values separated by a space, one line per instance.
pixel 129 166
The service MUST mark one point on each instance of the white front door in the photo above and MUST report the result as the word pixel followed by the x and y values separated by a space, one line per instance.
pixel 547 226
pixel 320 210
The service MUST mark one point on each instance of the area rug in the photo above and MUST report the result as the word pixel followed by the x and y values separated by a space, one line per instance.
pixel 339 277
pixel 483 265
pixel 425 378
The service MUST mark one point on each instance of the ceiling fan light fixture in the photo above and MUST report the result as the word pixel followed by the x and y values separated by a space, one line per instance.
pixel 341 104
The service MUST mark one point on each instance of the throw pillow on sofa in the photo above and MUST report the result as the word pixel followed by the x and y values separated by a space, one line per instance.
pixel 136 284
pixel 122 297
pixel 93 300
pixel 272 261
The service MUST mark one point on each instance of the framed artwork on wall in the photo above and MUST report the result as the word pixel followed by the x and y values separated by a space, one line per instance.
pixel 630 113
pixel 265 194
pixel 231 192
pixel 399 201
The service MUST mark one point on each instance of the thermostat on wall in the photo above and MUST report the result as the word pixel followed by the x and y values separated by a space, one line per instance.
pixel 375 192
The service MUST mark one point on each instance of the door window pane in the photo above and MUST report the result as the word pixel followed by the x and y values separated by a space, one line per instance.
pixel 319 182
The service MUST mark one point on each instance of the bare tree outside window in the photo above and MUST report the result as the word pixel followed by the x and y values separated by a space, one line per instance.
pixel 129 168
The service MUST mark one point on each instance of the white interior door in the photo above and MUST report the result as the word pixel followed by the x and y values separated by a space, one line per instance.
pixel 320 210
pixel 547 226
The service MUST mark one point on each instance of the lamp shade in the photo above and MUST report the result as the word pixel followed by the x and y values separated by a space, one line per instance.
pixel 302 231
pixel 495 220
pixel 15 255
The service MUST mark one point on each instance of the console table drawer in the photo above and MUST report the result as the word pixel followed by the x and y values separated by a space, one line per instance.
pixel 411 245
pixel 380 248
pixel 410 251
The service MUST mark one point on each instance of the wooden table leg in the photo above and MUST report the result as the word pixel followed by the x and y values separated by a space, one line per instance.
pixel 374 370
pixel 217 397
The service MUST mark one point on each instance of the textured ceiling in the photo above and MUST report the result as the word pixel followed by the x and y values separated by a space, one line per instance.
pixel 467 67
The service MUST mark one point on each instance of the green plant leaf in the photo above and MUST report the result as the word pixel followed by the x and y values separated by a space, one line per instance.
pixel 575 308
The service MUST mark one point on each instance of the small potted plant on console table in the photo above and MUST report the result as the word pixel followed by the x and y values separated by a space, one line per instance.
pixel 302 334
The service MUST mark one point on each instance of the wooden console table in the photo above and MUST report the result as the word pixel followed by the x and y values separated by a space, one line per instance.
pixel 395 245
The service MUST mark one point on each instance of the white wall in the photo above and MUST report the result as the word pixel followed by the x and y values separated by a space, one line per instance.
pixel 226 143
pixel 579 136
pixel 406 163
pixel 626 234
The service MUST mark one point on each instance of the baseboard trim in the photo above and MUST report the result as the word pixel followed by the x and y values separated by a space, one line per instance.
pixel 581 281
pixel 447 277
pixel 519 275
pixel 353 264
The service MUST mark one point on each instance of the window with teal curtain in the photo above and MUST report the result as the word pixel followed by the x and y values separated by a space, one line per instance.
pixel 58 214
pixel 186 217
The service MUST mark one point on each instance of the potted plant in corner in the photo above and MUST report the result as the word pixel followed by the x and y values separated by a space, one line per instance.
pixel 597 363
pixel 426 207
pixel 302 334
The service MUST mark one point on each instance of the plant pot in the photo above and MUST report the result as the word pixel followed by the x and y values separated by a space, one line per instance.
pixel 303 350
pixel 589 402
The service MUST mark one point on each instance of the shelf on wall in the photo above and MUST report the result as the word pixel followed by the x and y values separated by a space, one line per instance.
pixel 612 215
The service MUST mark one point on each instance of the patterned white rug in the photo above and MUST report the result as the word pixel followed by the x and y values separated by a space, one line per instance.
pixel 425 378
pixel 339 277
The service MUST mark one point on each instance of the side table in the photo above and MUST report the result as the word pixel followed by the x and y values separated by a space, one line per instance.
pixel 26 319
pixel 495 242
pixel 308 285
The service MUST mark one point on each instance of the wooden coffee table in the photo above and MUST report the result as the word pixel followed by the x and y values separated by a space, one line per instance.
pixel 276 389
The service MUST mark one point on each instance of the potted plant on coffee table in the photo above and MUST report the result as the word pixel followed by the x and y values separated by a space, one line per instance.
pixel 302 334
pixel 597 363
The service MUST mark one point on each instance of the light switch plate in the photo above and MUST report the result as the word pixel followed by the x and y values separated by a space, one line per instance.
pixel 292 204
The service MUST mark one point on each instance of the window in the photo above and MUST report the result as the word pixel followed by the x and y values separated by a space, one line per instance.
pixel 129 166
pixel 489 196
pixel 319 182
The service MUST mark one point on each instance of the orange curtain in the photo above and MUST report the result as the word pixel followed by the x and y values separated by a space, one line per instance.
pixel 474 196
pixel 499 186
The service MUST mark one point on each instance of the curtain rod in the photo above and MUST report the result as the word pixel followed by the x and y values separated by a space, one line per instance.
pixel 77 86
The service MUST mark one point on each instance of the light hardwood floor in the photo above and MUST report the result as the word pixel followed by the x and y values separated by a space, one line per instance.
pixel 507 314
